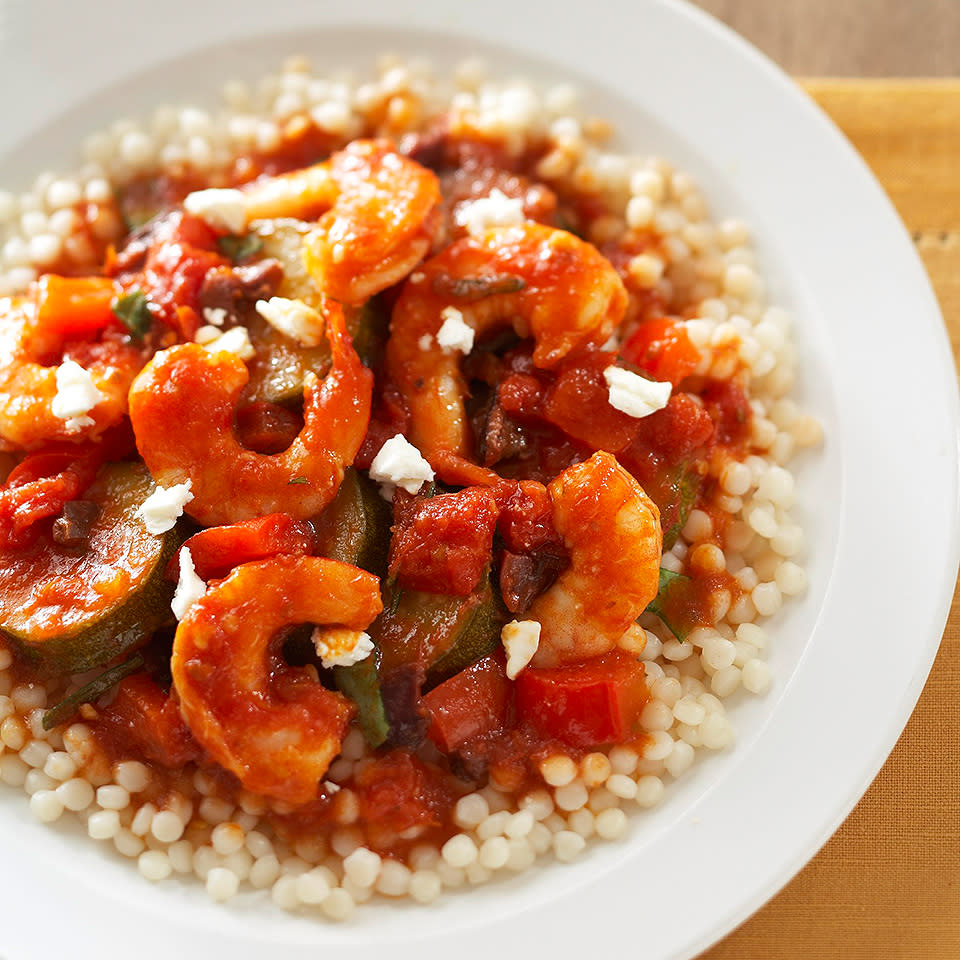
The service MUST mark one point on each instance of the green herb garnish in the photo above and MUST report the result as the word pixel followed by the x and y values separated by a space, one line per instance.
pixel 240 248
pixel 657 606
pixel 133 311
pixel 89 692
pixel 297 481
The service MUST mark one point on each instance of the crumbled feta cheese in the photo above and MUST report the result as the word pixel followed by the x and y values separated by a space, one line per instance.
pixel 190 588
pixel 425 342
pixel 294 318
pixel 161 510
pixel 215 316
pixel 221 209
pixel 455 334
pixel 339 647
pixel 207 334
pixel 330 787
pixel 520 638
pixel 400 464
pixel 76 395
pixel 236 340
pixel 633 394
pixel 496 210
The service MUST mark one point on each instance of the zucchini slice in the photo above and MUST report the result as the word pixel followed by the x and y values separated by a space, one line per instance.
pixel 72 608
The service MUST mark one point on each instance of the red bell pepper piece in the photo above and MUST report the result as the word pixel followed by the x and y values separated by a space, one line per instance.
pixel 662 348
pixel 75 306
pixel 472 704
pixel 584 704
pixel 218 550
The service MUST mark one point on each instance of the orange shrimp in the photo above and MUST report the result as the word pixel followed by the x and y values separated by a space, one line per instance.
pixel 28 385
pixel 379 214
pixel 182 409
pixel 611 529
pixel 545 282
pixel 274 726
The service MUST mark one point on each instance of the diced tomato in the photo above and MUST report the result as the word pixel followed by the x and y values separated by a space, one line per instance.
pixel 526 518
pixel 662 348
pixel 267 427
pixel 584 704
pixel 389 417
pixel 443 544
pixel 75 306
pixel 141 716
pixel 218 550
pixel 727 403
pixel 475 703
pixel 400 797
pixel 579 403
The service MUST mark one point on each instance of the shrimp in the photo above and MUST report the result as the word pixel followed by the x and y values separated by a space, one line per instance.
pixel 182 409
pixel 28 384
pixel 274 726
pixel 544 282
pixel 380 211
pixel 611 529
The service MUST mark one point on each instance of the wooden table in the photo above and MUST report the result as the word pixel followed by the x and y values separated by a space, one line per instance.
pixel 887 885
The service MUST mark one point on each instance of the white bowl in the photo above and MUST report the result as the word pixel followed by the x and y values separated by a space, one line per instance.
pixel 879 502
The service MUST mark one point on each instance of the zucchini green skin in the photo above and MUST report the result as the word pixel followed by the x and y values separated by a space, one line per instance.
pixel 70 609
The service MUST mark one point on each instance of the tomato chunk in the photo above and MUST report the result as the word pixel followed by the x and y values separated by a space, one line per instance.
pixel 218 550
pixel 267 427
pixel 75 306
pixel 473 704
pixel 662 348
pixel 443 544
pixel 584 704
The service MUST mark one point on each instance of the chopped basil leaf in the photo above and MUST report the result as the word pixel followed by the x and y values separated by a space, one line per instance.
pixel 89 692
pixel 133 312
pixel 240 248
pixel 656 606
pixel 298 480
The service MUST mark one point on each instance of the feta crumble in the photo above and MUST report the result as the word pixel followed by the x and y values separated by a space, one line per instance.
pixel 339 647
pixel 207 334
pixel 215 316
pixel 190 588
pixel 634 395
pixel 425 342
pixel 496 210
pixel 76 395
pixel 294 318
pixel 236 340
pixel 454 334
pixel 400 464
pixel 520 638
pixel 161 510
pixel 220 209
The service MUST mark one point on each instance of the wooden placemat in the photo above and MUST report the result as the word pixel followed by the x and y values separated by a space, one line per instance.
pixel 887 885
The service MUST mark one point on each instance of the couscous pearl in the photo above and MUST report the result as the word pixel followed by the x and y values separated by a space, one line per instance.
pixel 747 578
pixel 688 711
pixel 568 845
pixel 494 853
pixel 718 653
pixel 572 796
pixel 736 479
pixel 127 843
pixel 154 865
pixel 677 650
pixel 451 877
pixel 494 825
pixel 623 759
pixel 540 838
pixel 394 879
pixel 611 824
pixel 724 682
pixel 756 676
pixel 132 775
pixel 807 431
pixel 265 871
pixel 656 716
pixel 166 826
pixel 35 753
pixel 582 822
pixel 470 810
pixel 60 766
pixel 707 559
pixel 38 780
pixel 699 526
pixel 363 866
pixel 522 855
pixel 520 824
pixel 284 892
pixel 680 759
pixel 313 886
pixel 180 855
pixel 558 770
pixel 766 598
pixel 667 690
pixel 13 770
pixel 594 769
pixel 622 786
pixel 459 851
pixel 790 579
pixel 425 886
pixel 222 884
pixel 46 806
pixel 538 802
pixel 113 797
pixel 227 838
pixel 45 249
pixel 214 810
pixel 601 799
pixel 76 794
pixel 258 843
pixel 653 647
pixel 650 791
pixel 659 745
pixel 716 732
pixel 104 824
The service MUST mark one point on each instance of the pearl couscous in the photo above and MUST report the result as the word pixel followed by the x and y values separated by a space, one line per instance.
pixel 386 770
